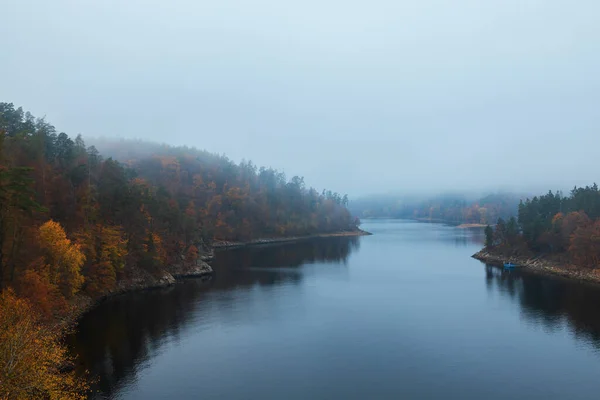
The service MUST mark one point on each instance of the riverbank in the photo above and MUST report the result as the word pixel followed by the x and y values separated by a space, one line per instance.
pixel 143 280
pixel 541 264
pixel 138 280
pixel 228 245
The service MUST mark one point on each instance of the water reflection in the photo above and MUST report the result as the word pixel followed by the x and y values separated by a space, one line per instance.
pixel 551 302
pixel 473 236
pixel 318 319
pixel 468 237
pixel 117 339
pixel 426 233
pixel 327 250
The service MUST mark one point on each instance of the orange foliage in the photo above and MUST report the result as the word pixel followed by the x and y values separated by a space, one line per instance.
pixel 191 255
pixel 101 278
pixel 43 295
pixel 154 247
pixel 158 205
pixel 113 247
pixel 558 218
pixel 109 218
pixel 585 245
pixel 63 258
pixel 572 221
pixel 32 355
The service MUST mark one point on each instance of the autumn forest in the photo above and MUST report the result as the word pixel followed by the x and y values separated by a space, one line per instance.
pixel 567 228
pixel 79 222
pixel 74 223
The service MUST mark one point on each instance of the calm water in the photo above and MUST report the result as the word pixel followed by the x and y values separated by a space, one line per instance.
pixel 405 313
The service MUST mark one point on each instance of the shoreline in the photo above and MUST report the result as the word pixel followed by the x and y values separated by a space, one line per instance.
pixel 144 281
pixel 172 274
pixel 455 224
pixel 291 239
pixel 468 226
pixel 541 265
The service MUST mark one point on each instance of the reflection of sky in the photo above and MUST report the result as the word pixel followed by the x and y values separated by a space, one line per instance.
pixel 424 232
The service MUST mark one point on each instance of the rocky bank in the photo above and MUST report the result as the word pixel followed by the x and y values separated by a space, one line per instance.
pixel 140 279
pixel 541 264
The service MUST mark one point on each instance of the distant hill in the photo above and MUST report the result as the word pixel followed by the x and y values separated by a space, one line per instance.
pixel 451 208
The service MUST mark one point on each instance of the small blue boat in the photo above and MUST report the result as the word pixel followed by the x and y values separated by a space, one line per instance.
pixel 510 265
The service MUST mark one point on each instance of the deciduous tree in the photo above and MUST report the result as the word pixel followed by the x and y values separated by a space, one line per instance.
pixel 32 356
pixel 63 258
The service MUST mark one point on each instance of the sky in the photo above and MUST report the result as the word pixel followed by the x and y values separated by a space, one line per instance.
pixel 359 97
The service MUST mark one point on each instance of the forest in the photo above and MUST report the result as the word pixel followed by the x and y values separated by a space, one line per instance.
pixel 567 227
pixel 449 208
pixel 74 223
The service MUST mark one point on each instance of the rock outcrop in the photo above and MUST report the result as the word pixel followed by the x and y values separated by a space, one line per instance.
pixel 201 268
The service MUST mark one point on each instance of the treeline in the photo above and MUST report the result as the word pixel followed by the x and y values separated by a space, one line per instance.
pixel 566 226
pixel 74 222
pixel 447 208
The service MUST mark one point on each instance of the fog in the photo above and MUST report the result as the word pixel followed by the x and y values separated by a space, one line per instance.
pixel 359 97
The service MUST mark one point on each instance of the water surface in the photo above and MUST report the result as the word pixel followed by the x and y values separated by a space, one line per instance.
pixel 405 313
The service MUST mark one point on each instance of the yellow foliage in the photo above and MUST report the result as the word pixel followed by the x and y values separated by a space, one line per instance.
pixel 113 247
pixel 31 356
pixel 63 258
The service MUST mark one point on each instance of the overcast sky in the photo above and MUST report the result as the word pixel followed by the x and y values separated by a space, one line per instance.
pixel 357 96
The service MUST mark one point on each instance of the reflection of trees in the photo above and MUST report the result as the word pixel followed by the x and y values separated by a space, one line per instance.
pixel 114 339
pixel 469 236
pixel 551 302
pixel 124 331
pixel 332 250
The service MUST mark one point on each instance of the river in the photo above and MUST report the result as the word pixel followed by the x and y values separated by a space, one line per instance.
pixel 405 313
